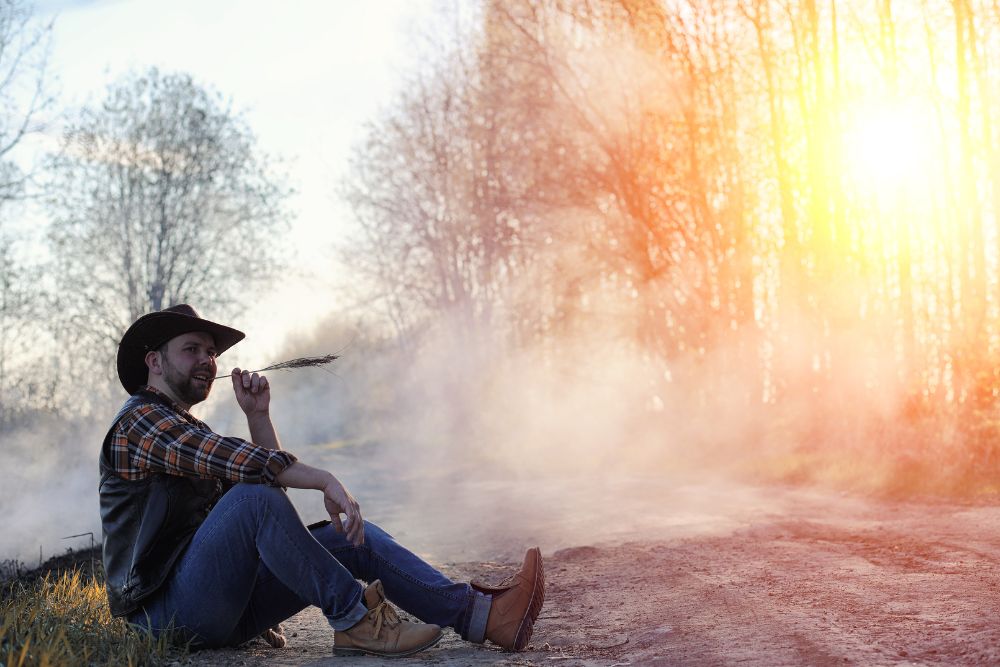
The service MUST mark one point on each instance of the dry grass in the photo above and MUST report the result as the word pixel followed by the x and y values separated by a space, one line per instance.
pixel 63 619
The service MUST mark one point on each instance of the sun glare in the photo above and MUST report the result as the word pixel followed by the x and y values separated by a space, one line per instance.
pixel 888 148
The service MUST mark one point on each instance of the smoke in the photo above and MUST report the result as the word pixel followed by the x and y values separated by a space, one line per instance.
pixel 466 444
pixel 50 487
pixel 464 441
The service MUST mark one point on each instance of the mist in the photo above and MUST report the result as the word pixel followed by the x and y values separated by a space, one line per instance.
pixel 50 488
pixel 462 445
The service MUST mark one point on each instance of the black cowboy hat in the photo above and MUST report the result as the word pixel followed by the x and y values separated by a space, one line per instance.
pixel 154 329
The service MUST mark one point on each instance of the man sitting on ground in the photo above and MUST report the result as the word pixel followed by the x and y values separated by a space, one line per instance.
pixel 200 536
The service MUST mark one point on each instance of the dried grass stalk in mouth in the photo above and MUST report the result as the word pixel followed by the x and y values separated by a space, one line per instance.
pixel 301 362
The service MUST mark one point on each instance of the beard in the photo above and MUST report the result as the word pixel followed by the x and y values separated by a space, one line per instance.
pixel 186 387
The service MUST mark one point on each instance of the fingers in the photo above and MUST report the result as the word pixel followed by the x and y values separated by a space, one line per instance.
pixel 253 383
pixel 355 525
pixel 360 536
pixel 334 510
pixel 335 520
pixel 339 501
pixel 355 532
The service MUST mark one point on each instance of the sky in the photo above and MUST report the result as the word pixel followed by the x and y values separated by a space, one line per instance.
pixel 307 74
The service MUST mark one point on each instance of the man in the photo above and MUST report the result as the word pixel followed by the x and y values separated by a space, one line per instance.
pixel 200 536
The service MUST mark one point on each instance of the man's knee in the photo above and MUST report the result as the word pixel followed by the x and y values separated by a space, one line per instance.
pixel 331 538
pixel 257 495
pixel 375 535
pixel 263 490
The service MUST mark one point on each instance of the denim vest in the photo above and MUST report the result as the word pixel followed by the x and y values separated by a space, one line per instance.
pixel 146 524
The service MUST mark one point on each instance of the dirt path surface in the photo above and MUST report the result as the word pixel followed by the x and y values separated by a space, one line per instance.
pixel 720 574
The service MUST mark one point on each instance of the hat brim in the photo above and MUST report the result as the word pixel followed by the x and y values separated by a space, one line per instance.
pixel 152 330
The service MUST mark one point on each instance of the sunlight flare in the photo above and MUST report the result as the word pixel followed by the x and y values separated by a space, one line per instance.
pixel 890 146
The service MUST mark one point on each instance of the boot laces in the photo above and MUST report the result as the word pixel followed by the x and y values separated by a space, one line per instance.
pixel 383 614
pixel 508 581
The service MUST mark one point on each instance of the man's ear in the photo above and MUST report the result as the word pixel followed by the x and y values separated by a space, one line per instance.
pixel 154 363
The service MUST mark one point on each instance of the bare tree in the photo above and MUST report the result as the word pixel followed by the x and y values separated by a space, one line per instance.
pixel 24 96
pixel 160 195
pixel 441 191
pixel 24 88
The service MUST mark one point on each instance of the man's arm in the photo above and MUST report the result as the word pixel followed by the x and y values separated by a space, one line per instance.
pixel 262 431
pixel 158 439
pixel 253 393
pixel 338 500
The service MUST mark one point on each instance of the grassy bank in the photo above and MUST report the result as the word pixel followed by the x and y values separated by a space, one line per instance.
pixel 61 617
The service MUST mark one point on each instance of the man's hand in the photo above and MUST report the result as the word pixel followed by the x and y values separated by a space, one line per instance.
pixel 338 500
pixel 335 497
pixel 253 392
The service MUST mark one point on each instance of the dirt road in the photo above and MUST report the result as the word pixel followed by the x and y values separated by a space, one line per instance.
pixel 711 573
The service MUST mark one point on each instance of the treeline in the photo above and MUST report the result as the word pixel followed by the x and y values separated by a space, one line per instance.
pixel 791 204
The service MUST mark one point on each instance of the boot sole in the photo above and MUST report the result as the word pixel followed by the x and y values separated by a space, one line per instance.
pixel 527 626
pixel 344 652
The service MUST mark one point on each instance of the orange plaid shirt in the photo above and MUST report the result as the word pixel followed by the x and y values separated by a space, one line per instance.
pixel 165 438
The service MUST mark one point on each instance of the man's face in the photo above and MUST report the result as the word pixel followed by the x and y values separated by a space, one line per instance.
pixel 189 366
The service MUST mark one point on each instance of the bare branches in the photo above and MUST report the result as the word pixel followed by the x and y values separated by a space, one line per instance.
pixel 23 97
pixel 161 197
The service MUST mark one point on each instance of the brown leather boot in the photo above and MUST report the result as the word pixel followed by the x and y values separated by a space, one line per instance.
pixel 382 632
pixel 517 600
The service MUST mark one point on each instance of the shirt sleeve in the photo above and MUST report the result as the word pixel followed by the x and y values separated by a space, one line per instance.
pixel 161 441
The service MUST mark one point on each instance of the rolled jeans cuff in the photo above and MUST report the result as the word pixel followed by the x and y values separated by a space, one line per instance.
pixel 352 617
pixel 481 604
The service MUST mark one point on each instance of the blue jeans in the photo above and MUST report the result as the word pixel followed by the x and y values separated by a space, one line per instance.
pixel 252 564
